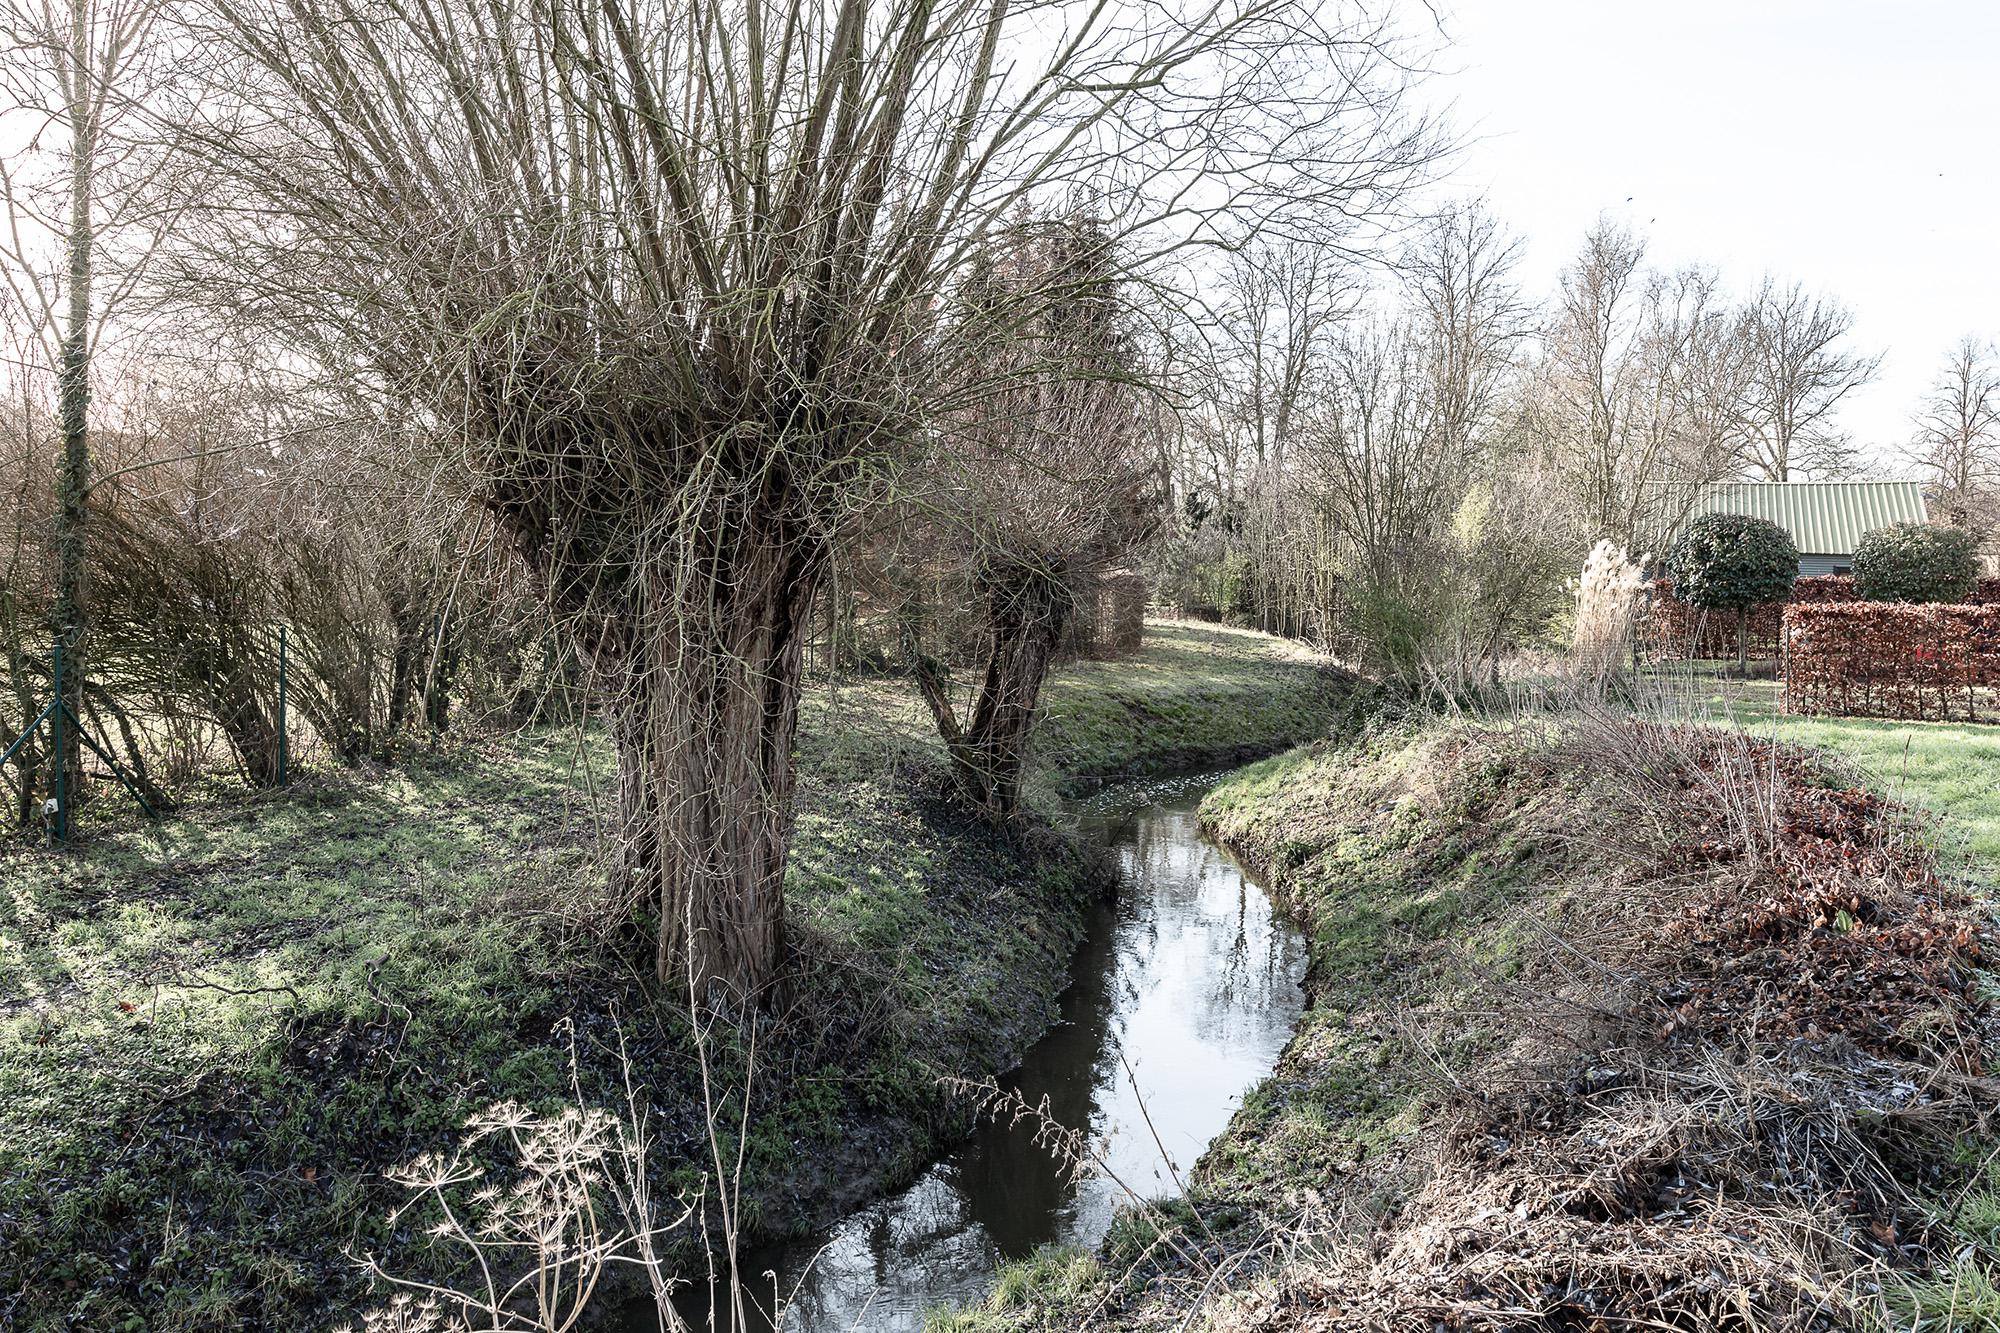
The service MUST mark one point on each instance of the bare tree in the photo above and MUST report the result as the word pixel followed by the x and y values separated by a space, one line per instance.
pixel 1377 453
pixel 1280 302
pixel 1637 391
pixel 665 276
pixel 1050 481
pixel 1459 278
pixel 74 73
pixel 1266 337
pixel 1294 511
pixel 1590 365
pixel 1796 374
pixel 1441 517
pixel 1700 364
pixel 1957 437
pixel 26 580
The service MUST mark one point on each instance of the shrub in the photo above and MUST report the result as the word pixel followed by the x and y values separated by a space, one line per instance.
pixel 1732 562
pixel 1673 629
pixel 1917 562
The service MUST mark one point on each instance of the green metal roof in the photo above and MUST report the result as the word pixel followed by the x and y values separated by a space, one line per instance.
pixel 1824 517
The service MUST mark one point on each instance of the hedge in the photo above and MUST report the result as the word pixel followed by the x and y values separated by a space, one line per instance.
pixel 1925 662
pixel 1673 629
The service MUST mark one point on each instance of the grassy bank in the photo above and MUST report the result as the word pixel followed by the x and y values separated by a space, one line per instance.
pixel 219 1031
pixel 1200 696
pixel 1575 1057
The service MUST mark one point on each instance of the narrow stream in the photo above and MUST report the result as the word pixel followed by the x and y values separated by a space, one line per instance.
pixel 1187 984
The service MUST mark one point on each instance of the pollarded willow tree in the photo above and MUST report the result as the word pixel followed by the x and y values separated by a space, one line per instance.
pixel 663 273
pixel 1046 478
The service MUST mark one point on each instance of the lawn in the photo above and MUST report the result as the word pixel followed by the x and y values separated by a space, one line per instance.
pixel 216 1032
pixel 1949 768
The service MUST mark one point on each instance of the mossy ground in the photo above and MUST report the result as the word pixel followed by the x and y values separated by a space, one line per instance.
pixel 219 1030
pixel 1199 696
pixel 1404 866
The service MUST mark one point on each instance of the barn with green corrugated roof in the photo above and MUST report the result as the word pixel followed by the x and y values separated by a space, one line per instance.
pixel 1827 519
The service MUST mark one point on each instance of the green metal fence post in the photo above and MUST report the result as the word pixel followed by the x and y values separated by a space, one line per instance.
pixel 284 722
pixel 61 750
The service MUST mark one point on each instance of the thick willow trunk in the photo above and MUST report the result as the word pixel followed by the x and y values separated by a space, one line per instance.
pixel 704 721
pixel 1026 609
pixel 405 667
pixel 440 680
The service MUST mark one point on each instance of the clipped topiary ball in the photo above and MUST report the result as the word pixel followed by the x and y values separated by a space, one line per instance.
pixel 1730 562
pixel 1917 562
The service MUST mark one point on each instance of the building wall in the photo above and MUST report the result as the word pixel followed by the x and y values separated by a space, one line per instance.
pixel 1825 564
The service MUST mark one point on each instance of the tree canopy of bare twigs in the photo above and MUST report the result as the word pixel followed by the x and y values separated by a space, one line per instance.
pixel 1638 383
pixel 665 277
pixel 1957 438
pixel 1797 371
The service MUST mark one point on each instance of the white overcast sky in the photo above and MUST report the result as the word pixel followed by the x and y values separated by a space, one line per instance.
pixel 1853 146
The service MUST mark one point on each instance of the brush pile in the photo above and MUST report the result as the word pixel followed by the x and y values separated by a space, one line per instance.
pixel 1737 1076
pixel 1838 925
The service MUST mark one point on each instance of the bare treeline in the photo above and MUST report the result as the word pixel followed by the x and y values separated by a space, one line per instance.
pixel 623 356
pixel 1413 468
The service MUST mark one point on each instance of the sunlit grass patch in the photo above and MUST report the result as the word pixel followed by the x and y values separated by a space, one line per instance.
pixel 1196 694
pixel 1049 1282
pixel 1963 1298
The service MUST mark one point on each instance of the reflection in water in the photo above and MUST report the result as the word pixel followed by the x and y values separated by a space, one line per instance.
pixel 1187 978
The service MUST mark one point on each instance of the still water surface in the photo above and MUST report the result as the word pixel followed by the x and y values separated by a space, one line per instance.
pixel 1187 984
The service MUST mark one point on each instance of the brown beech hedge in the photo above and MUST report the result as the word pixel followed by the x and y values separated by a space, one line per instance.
pixel 1931 662
pixel 1673 629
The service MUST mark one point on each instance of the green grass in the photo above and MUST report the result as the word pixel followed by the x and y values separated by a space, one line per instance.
pixel 1961 1295
pixel 1963 1298
pixel 1948 768
pixel 1198 695
pixel 219 1032
pixel 1035 1293
pixel 216 1032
